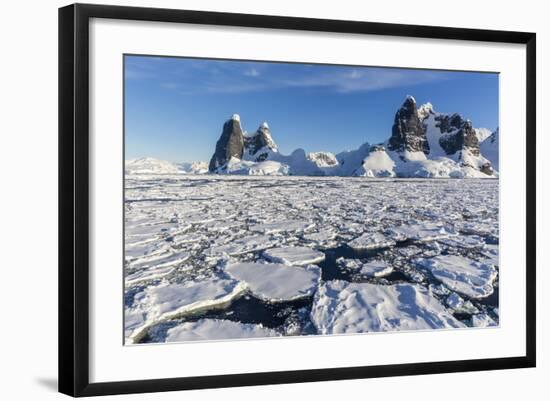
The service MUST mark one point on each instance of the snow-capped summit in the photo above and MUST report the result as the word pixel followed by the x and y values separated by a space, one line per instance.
pixel 259 145
pixel 425 110
pixel 236 117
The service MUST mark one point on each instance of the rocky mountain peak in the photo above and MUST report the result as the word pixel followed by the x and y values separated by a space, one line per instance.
pixel 260 142
pixel 230 144
pixel 457 134
pixel 408 133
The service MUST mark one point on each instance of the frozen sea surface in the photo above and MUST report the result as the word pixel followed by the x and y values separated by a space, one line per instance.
pixel 214 257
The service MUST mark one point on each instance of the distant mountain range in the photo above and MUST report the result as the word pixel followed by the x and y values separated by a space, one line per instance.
pixel 423 143
pixel 149 165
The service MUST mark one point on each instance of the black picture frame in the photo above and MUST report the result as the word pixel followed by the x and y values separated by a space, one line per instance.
pixel 74 198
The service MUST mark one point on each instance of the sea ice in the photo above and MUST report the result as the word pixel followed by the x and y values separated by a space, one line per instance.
pixel 419 232
pixel 217 329
pixel 483 320
pixel 457 304
pixel 371 241
pixel 276 282
pixel 184 229
pixel 294 255
pixel 373 268
pixel 244 245
pixel 282 226
pixel 376 268
pixel 168 301
pixel 160 260
pixel 148 274
pixel 342 307
pixel 460 274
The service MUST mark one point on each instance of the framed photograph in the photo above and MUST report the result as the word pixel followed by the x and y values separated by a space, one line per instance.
pixel 251 199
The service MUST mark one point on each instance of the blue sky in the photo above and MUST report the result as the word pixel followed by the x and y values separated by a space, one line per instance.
pixel 175 107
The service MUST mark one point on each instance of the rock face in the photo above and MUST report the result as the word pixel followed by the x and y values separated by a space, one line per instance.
pixel 457 134
pixel 230 144
pixel 258 145
pixel 408 133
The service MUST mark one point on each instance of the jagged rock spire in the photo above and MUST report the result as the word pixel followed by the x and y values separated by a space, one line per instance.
pixel 230 144
pixel 408 133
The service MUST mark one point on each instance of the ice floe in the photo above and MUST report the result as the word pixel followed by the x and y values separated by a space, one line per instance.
pixel 419 232
pixel 217 329
pixel 372 268
pixel 168 301
pixel 342 307
pixel 483 320
pixel 295 255
pixel 276 282
pixel 460 274
pixel 457 304
pixel 371 241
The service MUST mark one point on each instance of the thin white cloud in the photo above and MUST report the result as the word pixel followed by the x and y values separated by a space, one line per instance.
pixel 206 76
pixel 252 72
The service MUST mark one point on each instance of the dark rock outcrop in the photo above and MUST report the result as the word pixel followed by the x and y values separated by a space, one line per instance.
pixel 457 134
pixel 230 144
pixel 377 148
pixel 261 140
pixel 408 132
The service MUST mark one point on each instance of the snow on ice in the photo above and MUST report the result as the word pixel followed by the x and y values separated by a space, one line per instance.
pixel 460 274
pixel 294 255
pixel 216 329
pixel 342 307
pixel 276 282
pixel 167 301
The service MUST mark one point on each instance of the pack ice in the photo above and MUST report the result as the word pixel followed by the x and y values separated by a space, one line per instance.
pixel 213 256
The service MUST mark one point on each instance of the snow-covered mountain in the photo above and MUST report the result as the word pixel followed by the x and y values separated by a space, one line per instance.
pixel 423 143
pixel 149 165
pixel 489 148
pixel 193 167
